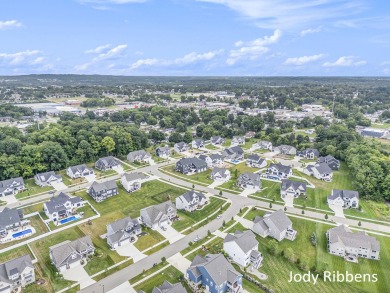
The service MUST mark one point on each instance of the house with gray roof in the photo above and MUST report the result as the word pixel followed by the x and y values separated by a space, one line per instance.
pixel 167 287
pixel 16 273
pixel 217 140
pixel 309 154
pixel 10 219
pixel 345 198
pixel 215 273
pixel 352 245
pixel 190 201
pixel 220 174
pixel 243 248
pixel 285 150
pixel 332 162
pixel 191 165
pixel 46 178
pixel 122 231
pixel 249 181
pixel 180 147
pixel 217 159
pixel 197 143
pixel 133 181
pixel 163 152
pixel 158 215
pixel 237 140
pixel 320 171
pixel 207 159
pixel 70 254
pixel 11 186
pixel 140 156
pixel 62 206
pixel 292 188
pixel 103 190
pixel 276 225
pixel 235 153
pixel 79 171
pixel 107 163
pixel 279 171
pixel 262 145
pixel 255 161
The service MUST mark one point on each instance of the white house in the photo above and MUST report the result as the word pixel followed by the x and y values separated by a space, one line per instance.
pixel 262 145
pixel 45 179
pixel 249 181
pixel 197 143
pixel 243 248
pixel 79 171
pixel 292 188
pixel 220 174
pixel 255 161
pixel 344 198
pixel 285 150
pixel 62 206
pixel 181 147
pixel 320 171
pixel 132 181
pixel 237 140
pixel 279 171
pixel 16 273
pixel 190 201
pixel 159 215
pixel 207 159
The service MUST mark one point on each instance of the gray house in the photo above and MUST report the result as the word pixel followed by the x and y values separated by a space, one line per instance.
pixel 45 179
pixel 69 254
pixel 197 143
pixel 102 191
pixel 106 163
pixel 344 198
pixel 191 165
pixel 216 159
pixel 10 219
pixel 121 231
pixel 285 150
pixel 279 171
pixel 233 153
pixel 237 140
pixel 333 163
pixel 167 287
pixel 11 186
pixel 139 156
pixel 180 147
pixel 220 174
pixel 249 181
pixel 320 171
pixel 16 273
pixel 132 181
pixel 158 215
pixel 79 171
pixel 255 161
pixel 309 154
pixel 276 224
pixel 163 152
pixel 190 201
pixel 292 188
pixel 62 206
pixel 217 140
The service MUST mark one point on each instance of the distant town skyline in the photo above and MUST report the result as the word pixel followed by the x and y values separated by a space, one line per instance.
pixel 196 37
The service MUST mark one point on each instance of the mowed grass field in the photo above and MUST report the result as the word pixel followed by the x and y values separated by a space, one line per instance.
pixel 32 189
pixel 278 268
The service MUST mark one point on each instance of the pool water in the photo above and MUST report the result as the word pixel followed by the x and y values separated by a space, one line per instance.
pixel 70 219
pixel 21 233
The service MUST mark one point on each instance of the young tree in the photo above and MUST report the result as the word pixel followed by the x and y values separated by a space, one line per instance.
pixel 289 254
pixel 273 247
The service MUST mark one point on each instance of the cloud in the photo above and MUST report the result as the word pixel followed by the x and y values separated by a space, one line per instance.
pixel 28 56
pixel 303 60
pixel 99 49
pixel 253 49
pixel 103 2
pixel 9 24
pixel 105 52
pixel 288 14
pixel 345 61
pixel 189 58
pixel 311 31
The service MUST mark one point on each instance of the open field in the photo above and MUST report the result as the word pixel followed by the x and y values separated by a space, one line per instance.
pixel 211 147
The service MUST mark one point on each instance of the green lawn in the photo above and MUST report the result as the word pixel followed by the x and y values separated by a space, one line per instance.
pixel 198 178
pixel 32 189
pixel 203 177
pixel 242 168
pixel 151 238
pixel 113 270
pixel 170 274
pixel 215 246
pixel 157 248
pixel 278 268
pixel 14 253
pixel 195 245
pixel 188 219
pixel 69 181
pixel 211 147
pixel 148 272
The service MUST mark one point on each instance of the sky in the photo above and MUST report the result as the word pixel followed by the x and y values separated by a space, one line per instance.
pixel 196 37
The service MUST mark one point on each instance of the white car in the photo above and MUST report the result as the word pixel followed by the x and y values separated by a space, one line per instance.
pixel 219 216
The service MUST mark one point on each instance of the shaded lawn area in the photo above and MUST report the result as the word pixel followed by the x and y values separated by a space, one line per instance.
pixel 151 238
pixel 237 226
pixel 188 219
pixel 35 222
pixel 371 209
pixel 213 247
pixel 278 268
pixel 170 274
pixel 14 253
pixel 129 204
pixel 198 178
pixel 32 189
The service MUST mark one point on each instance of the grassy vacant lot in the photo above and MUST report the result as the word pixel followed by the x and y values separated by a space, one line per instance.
pixel 14 253
pixel 278 268
pixel 113 270
pixel 151 238
pixel 69 181
pixel 211 147
pixel 39 226
pixel 188 219
pixel 32 189
pixel 199 178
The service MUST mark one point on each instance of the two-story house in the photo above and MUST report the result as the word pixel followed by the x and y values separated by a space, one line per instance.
pixel 132 181
pixel 220 174
pixel 235 153
pixel 243 248
pixel 197 143
pixel 102 191
pixel 217 159
pixel 285 150
pixel 292 188
pixel 217 140
pixel 159 215
pixel 207 159
pixel 249 180
pixel 262 145
pixel 214 273
pixel 333 163
pixel 279 171
pixel 107 163
pixel 320 171
pixel 79 171
pixel 276 225
pixel 349 245
pixel 62 206
pixel 255 161
pixel 70 254
pixel 180 147
pixel 10 219
pixel 140 156
pixel 344 198
pixel 122 231
pixel 163 152
pixel 237 140
pixel 190 201
pixel 46 178
pixel 309 154
pixel 11 186
pixel 16 273
pixel 191 165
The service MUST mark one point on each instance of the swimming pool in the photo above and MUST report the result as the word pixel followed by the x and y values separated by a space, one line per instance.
pixel 21 233
pixel 70 219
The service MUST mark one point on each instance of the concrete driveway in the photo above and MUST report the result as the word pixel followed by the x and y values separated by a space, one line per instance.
pixel 247 192
pixel 179 262
pixel 215 184
pixel 119 170
pixel 246 223
pixel 123 288
pixel 59 186
pixel 130 250
pixel 90 178
pixel 171 234
pixel 9 199
pixel 288 201
pixel 78 274
pixel 338 210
